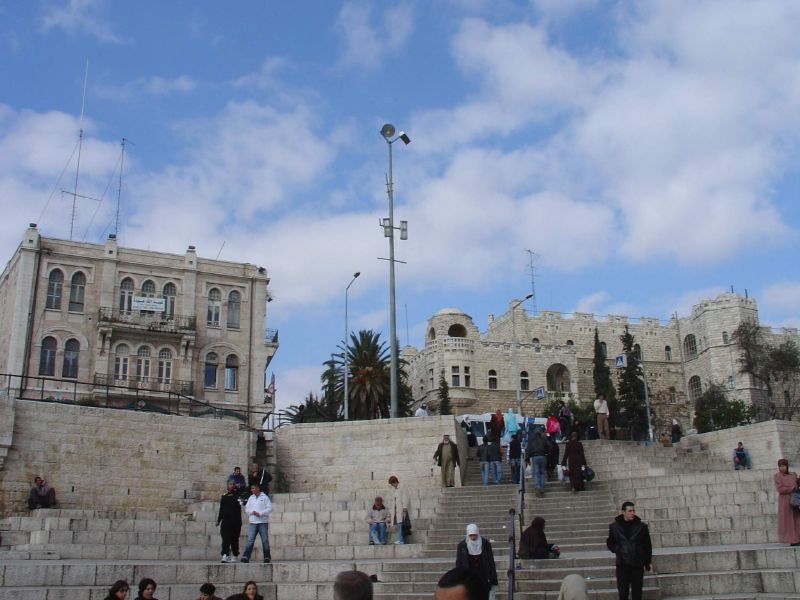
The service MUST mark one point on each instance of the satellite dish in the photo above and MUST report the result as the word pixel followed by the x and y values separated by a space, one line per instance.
pixel 387 130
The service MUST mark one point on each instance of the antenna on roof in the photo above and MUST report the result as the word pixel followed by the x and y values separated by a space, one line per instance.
pixel 119 189
pixel 531 254
pixel 80 145
pixel 220 249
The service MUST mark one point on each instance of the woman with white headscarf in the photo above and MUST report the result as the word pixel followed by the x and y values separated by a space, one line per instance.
pixel 475 554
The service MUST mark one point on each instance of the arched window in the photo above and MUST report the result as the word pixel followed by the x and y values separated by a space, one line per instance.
pixel 667 353
pixel 535 341
pixel 637 352
pixel 143 364
pixel 604 349
pixel 570 343
pixel 524 382
pixel 210 370
pixel 673 396
pixel 55 283
pixel 231 372
pixel 214 302
pixel 148 291
pixel 77 289
pixel 689 346
pixel 125 295
pixel 169 294
pixel 492 379
pixel 47 357
pixel 72 350
pixel 121 362
pixel 234 309
pixel 695 388
pixel 165 366
pixel 431 334
pixel 725 337
pixel 457 330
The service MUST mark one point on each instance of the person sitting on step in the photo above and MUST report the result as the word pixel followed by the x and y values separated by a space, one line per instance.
pixel 378 518
pixel 147 587
pixel 250 592
pixel 533 542
pixel 41 495
pixel 242 490
pixel 741 457
pixel 352 585
pixel 207 592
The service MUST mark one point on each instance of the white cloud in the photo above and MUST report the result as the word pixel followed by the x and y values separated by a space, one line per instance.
pixel 266 77
pixel 558 10
pixel 683 304
pixel 147 86
pixel 293 385
pixel 81 17
pixel 782 297
pixel 592 302
pixel 365 43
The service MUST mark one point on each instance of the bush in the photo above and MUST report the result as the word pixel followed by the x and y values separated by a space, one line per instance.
pixel 713 411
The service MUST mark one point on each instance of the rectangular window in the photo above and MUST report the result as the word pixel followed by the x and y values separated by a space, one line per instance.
pixel 231 377
pixel 121 368
pixel 70 368
pixel 210 377
pixel 430 377
pixel 456 378
pixel 466 377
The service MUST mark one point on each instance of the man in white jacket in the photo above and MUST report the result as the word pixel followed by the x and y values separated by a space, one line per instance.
pixel 257 508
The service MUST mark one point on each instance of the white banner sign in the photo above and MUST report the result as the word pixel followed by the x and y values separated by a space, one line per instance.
pixel 143 303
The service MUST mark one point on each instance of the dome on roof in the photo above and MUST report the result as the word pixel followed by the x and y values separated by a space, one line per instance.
pixel 449 311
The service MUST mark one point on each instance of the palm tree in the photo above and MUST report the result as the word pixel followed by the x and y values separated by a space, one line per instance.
pixel 369 386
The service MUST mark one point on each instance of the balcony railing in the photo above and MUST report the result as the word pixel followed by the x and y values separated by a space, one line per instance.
pixel 451 343
pixel 152 321
pixel 145 384
pixel 271 335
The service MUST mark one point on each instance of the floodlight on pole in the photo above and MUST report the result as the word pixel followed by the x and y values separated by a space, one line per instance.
pixel 345 355
pixel 514 350
pixel 388 132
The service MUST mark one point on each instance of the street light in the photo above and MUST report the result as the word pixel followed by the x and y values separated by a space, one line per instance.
pixel 388 132
pixel 514 349
pixel 346 346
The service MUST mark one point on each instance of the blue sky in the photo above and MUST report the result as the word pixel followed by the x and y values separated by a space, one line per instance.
pixel 647 152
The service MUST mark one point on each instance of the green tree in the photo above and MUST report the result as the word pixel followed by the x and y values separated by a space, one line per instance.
pixel 775 368
pixel 369 385
pixel 633 411
pixel 445 407
pixel 601 374
pixel 713 410
pixel 311 410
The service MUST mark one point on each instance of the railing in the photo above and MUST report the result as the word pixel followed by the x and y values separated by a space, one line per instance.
pixel 107 395
pixel 152 384
pixel 521 495
pixel 152 321
pixel 275 419
pixel 451 343
pixel 271 335
pixel 512 555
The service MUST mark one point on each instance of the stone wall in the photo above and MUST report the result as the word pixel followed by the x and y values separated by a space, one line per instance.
pixel 766 442
pixel 117 459
pixel 363 454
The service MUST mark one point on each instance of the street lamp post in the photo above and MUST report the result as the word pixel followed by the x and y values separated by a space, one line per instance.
pixel 514 350
pixel 346 346
pixel 646 402
pixel 388 133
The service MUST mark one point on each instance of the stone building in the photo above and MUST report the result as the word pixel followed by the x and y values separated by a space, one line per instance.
pixel 553 356
pixel 99 323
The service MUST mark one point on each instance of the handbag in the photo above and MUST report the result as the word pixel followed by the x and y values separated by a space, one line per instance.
pixel 406 525
pixel 794 499
pixel 588 473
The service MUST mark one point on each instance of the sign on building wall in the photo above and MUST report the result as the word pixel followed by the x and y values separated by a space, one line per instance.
pixel 144 303
pixel 539 393
pixel 621 361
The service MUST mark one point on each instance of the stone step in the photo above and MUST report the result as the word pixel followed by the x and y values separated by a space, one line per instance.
pixel 164 591
pixel 771 581
pixel 648 593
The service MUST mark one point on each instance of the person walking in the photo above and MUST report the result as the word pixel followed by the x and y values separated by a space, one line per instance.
pixel 497 426
pixel 400 505
pixel 574 459
pixel 446 457
pixel 474 554
pixel 257 508
pixel 495 460
pixel 514 457
pixel 229 521
pixel 601 410
pixel 379 519
pixel 676 433
pixel 259 476
pixel 552 457
pixel 629 539
pixel 553 428
pixel 564 416
pixel 483 458
pixel 787 482
pixel 536 455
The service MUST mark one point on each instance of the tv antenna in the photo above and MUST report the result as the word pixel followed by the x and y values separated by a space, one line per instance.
pixel 75 194
pixel 119 188
pixel 531 254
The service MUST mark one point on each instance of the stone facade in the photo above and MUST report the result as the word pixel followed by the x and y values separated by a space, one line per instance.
pixel 110 459
pixel 69 316
pixel 681 356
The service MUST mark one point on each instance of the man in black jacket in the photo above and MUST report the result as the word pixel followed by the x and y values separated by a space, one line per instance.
pixel 536 456
pixel 259 476
pixel 629 539
pixel 229 520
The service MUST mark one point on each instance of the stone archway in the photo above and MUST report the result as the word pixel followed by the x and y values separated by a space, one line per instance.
pixel 558 379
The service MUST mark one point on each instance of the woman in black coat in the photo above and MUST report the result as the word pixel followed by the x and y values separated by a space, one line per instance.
pixel 475 554
pixel 118 591
pixel 533 542
pixel 575 460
